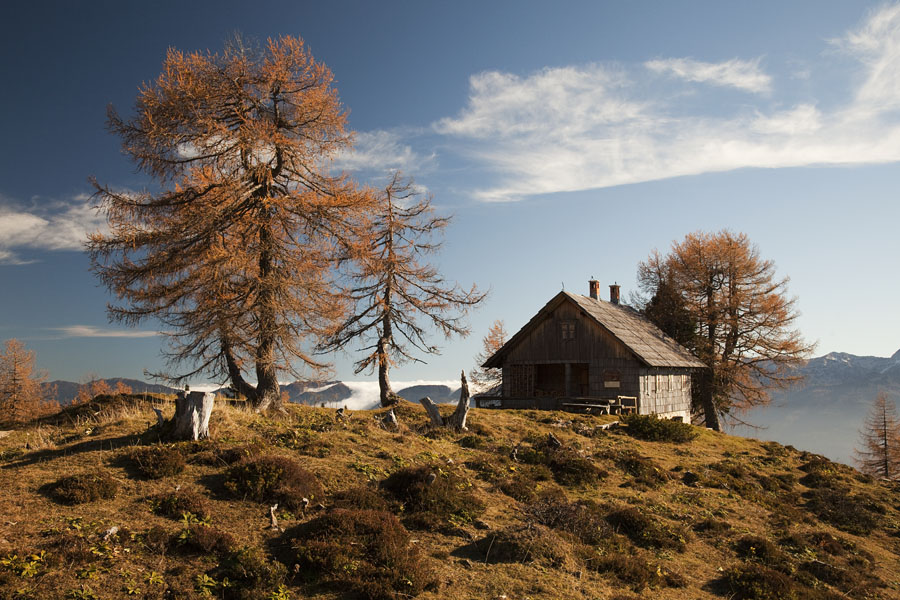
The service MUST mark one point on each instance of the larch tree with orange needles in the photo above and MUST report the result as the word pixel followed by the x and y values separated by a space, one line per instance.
pixel 236 255
pixel 22 393
pixel 880 452
pixel 394 290
pixel 743 319
pixel 483 378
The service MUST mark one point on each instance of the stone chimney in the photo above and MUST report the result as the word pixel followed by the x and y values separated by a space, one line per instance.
pixel 594 289
pixel 614 293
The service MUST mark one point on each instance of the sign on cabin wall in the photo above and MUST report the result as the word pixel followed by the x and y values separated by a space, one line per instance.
pixel 612 378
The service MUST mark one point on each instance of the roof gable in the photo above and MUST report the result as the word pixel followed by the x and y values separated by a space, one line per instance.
pixel 644 339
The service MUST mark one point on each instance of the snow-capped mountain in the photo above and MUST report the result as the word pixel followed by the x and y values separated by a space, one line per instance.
pixel 825 413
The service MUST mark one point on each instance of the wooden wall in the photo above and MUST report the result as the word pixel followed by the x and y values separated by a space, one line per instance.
pixel 532 368
pixel 665 391
pixel 569 336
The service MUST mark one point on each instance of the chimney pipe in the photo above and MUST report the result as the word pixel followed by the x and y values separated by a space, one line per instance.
pixel 614 294
pixel 594 289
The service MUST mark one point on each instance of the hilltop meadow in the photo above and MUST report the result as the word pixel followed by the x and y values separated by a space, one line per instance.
pixel 525 504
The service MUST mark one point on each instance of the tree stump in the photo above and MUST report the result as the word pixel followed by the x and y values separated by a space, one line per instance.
pixel 192 412
pixel 457 420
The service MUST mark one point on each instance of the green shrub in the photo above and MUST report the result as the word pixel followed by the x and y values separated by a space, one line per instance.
pixel 646 531
pixel 178 502
pixel 653 429
pixel 274 479
pixel 755 582
pixel 156 462
pixel 434 499
pixel 365 552
pixel 86 487
pixel 525 544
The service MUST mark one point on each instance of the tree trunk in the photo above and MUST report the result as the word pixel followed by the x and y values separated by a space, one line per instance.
pixel 268 393
pixel 710 414
pixel 387 395
pixel 192 412
pixel 457 420
pixel 234 374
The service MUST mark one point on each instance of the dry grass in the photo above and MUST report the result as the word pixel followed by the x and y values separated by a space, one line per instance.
pixel 754 508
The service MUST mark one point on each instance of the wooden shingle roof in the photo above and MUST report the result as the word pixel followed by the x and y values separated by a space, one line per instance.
pixel 648 343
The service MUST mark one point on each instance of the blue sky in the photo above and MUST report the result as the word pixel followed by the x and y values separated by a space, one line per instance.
pixel 567 139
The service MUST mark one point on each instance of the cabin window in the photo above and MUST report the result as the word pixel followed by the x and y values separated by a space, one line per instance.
pixel 567 329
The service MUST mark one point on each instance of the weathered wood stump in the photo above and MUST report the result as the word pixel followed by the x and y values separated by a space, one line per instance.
pixel 192 412
pixel 457 420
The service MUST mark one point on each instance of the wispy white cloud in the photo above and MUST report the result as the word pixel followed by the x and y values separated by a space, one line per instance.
pixel 56 226
pixel 380 151
pixel 740 74
pixel 588 127
pixel 89 331
pixel 876 44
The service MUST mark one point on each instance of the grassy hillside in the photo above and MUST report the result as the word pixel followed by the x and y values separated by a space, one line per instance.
pixel 92 506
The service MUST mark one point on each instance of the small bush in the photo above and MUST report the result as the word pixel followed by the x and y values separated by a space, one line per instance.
pixel 853 514
pixel 274 479
pixel 204 538
pixel 304 441
pixel 565 464
pixel 178 502
pixel 645 531
pixel 582 520
pixel 156 462
pixel 712 527
pixel 519 488
pixel 570 469
pixel 755 582
pixel 653 429
pixel 644 470
pixel 250 574
pixel 763 551
pixel 156 540
pixel 817 541
pixel 434 499
pixel 236 454
pixel 485 469
pixel 635 572
pixel 471 441
pixel 525 544
pixel 359 498
pixel 364 550
pixel 822 473
pixel 86 487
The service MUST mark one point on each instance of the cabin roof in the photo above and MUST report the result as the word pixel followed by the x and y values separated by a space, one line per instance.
pixel 644 339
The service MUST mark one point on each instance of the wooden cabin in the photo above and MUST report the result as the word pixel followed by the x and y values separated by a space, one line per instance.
pixel 582 353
